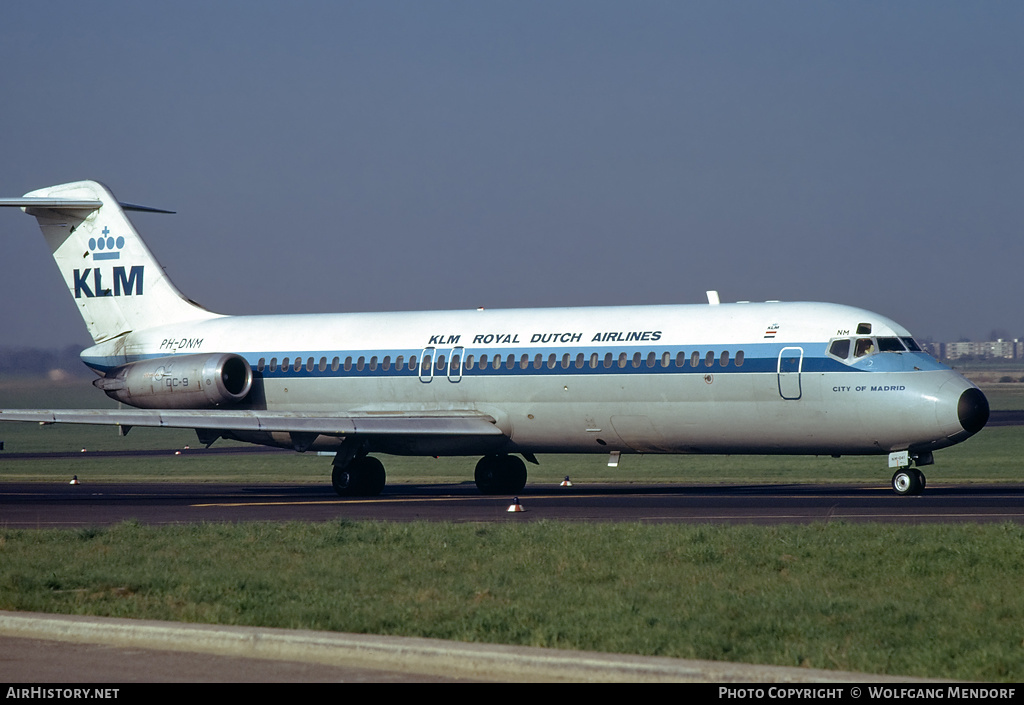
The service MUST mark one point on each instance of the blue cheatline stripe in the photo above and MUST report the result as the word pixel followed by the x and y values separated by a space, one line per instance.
pixel 757 358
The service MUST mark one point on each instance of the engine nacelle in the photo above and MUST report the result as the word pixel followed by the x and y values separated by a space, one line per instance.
pixel 198 381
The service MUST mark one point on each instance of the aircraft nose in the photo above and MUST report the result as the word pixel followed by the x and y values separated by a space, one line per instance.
pixel 972 410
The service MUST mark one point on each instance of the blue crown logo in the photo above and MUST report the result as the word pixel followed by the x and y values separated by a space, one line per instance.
pixel 106 247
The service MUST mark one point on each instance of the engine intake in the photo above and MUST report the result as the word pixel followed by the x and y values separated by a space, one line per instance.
pixel 200 381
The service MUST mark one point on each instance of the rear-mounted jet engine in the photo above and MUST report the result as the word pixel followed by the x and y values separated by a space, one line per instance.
pixel 200 381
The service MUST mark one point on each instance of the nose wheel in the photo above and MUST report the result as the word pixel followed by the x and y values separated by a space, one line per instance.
pixel 908 481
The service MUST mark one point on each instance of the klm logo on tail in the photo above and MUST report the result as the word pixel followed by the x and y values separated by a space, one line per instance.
pixel 109 243
pixel 89 282
pixel 125 283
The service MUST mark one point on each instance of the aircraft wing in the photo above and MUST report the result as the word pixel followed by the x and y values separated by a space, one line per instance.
pixel 385 423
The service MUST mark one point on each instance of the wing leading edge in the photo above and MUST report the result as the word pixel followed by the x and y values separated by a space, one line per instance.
pixel 389 423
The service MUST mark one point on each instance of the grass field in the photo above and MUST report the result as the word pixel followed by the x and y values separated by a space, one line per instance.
pixel 924 600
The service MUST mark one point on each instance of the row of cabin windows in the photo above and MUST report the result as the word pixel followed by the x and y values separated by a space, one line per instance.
pixel 497 361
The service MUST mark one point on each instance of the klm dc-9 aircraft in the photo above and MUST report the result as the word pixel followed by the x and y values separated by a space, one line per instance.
pixel 742 378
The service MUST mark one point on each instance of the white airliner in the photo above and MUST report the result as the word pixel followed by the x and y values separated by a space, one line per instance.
pixel 743 378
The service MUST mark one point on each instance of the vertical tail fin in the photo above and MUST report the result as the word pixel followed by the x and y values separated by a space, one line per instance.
pixel 116 282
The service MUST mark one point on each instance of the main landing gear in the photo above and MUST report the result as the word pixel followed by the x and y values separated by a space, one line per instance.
pixel 360 477
pixel 363 476
pixel 500 474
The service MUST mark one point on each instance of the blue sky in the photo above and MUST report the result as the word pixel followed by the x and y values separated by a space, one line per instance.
pixel 361 156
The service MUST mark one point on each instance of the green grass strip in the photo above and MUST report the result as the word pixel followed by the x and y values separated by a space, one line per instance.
pixel 924 600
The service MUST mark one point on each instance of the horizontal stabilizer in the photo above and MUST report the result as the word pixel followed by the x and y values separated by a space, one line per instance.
pixel 72 205
pixel 51 203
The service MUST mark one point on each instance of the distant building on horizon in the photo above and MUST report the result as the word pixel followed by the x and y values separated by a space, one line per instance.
pixel 985 350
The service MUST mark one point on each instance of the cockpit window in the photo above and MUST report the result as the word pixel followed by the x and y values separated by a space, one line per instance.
pixel 840 348
pixel 890 345
pixel 862 347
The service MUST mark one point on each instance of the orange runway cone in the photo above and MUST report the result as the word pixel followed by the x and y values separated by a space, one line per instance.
pixel 516 506
pixel 566 482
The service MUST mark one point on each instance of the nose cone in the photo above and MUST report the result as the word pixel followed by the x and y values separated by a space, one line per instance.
pixel 972 410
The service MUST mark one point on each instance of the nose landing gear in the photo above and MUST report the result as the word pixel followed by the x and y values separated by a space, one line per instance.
pixel 908 481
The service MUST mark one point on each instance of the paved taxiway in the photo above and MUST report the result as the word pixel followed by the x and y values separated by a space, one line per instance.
pixel 45 648
pixel 40 505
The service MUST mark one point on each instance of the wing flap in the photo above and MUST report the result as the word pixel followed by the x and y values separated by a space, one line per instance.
pixel 340 424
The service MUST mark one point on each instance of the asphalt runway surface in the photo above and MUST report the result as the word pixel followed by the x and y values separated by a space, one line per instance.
pixel 41 505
